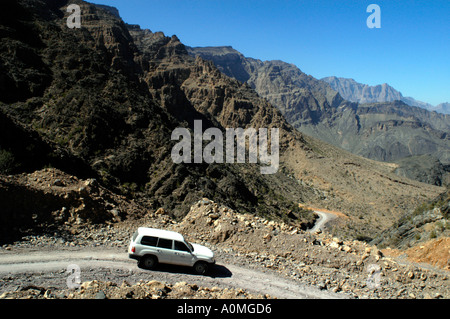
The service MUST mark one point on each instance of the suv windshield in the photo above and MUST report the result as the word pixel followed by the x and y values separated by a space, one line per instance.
pixel 189 244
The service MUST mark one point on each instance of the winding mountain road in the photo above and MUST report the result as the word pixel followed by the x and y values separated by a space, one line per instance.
pixel 49 268
pixel 324 218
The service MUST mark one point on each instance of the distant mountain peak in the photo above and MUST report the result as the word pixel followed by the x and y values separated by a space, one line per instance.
pixel 354 91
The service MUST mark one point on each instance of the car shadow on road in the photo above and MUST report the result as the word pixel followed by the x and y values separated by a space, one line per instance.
pixel 219 271
pixel 215 271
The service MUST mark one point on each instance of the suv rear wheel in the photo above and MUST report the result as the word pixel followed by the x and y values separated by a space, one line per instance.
pixel 148 262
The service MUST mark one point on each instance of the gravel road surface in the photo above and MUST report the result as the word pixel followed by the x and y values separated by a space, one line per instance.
pixel 49 269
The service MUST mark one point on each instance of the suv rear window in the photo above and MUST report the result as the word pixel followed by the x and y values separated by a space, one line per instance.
pixel 149 240
pixel 165 243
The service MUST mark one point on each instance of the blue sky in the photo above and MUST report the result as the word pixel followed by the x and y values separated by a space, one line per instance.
pixel 411 50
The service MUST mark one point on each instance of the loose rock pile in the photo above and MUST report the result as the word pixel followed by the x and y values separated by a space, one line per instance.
pixel 351 267
pixel 51 198
pixel 142 290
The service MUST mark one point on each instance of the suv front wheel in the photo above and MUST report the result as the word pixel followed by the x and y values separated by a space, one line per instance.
pixel 201 267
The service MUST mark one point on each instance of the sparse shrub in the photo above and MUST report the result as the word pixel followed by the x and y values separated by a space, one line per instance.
pixel 129 188
pixel 440 226
pixel 364 238
pixel 7 163
pixel 424 207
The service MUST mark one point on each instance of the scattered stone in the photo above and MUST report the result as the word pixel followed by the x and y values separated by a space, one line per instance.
pixel 245 240
pixel 100 295
pixel 58 182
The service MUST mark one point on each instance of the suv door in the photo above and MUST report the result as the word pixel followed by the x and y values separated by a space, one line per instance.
pixel 164 250
pixel 182 254
pixel 146 245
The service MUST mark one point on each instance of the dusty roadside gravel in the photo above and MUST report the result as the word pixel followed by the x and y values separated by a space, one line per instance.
pixel 256 258
pixel 44 274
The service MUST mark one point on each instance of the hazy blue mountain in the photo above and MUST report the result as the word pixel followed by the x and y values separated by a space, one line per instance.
pixel 353 91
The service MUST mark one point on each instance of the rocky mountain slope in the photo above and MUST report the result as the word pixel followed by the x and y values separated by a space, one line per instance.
pixel 388 131
pixel 301 99
pixel 101 103
pixel 380 131
pixel 424 168
pixel 353 91
pixel 49 199
pixel 428 221
pixel 107 110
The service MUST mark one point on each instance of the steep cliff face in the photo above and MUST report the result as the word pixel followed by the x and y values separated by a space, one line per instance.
pixel 299 97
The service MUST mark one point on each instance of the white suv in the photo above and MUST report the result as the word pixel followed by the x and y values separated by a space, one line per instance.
pixel 150 246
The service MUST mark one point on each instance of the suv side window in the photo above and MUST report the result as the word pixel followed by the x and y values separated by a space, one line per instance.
pixel 181 246
pixel 165 243
pixel 149 240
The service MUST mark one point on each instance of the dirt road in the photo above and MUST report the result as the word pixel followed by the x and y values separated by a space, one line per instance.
pixel 323 219
pixel 49 268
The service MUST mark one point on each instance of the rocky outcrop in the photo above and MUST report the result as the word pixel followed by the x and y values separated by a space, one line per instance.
pixel 48 199
pixel 153 289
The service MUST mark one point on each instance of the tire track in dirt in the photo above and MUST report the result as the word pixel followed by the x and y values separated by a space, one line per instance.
pixel 223 275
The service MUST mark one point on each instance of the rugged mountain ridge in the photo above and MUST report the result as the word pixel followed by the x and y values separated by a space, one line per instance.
pixel 109 95
pixel 353 91
pixel 387 131
pixel 300 98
